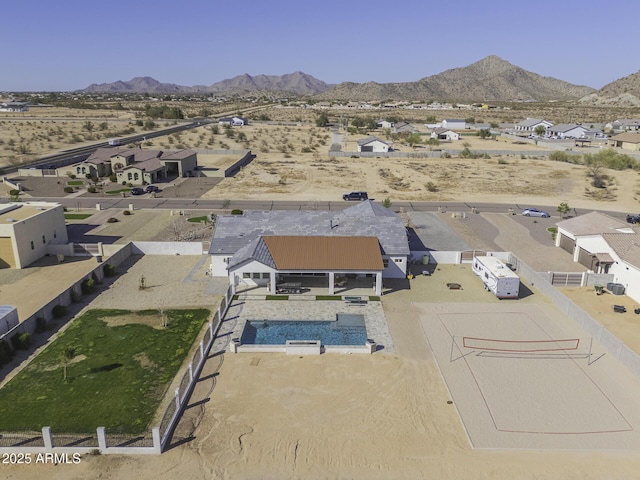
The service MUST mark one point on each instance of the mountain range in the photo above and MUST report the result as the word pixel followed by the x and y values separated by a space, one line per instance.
pixel 490 79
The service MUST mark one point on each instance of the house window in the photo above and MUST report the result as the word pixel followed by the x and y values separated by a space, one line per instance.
pixel 225 260
pixel 32 245
pixel 43 240
pixel 397 260
pixel 129 176
pixel 265 276
pixel 246 275
pixel 136 176
pixel 55 235
pixel 486 275
pixel 78 170
pixel 256 276
pixel 385 262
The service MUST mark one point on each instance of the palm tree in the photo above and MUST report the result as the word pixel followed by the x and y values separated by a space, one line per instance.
pixel 67 355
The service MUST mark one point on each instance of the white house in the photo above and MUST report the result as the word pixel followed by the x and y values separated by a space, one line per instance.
pixel 445 134
pixel 233 121
pixel 530 125
pixel 26 229
pixel 604 244
pixel 372 144
pixel 242 246
pixel 454 124
pixel 567 130
pixel 383 124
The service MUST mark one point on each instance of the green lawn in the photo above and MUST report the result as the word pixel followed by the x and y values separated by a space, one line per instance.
pixel 75 182
pixel 203 218
pixel 77 216
pixel 117 381
pixel 116 192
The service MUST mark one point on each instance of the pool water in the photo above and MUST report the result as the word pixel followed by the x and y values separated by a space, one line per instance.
pixel 277 332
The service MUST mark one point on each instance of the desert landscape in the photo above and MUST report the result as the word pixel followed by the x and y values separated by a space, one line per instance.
pixel 292 162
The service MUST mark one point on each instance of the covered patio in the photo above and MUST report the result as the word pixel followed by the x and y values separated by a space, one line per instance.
pixel 297 264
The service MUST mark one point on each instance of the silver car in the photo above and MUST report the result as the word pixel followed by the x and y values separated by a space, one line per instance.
pixel 534 212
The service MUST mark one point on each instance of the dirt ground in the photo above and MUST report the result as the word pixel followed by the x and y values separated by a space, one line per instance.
pixel 378 416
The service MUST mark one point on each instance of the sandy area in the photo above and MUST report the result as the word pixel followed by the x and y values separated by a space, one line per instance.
pixel 344 416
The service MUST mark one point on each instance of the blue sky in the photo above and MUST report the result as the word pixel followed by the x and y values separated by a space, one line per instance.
pixel 68 44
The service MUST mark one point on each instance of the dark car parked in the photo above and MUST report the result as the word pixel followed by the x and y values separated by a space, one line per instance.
pixel 137 191
pixel 633 218
pixel 358 196
pixel 152 189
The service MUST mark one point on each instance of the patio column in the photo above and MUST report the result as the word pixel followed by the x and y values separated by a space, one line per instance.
pixel 378 284
pixel 272 283
pixel 331 283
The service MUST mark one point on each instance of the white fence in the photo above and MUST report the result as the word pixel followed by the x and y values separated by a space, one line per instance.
pixel 166 248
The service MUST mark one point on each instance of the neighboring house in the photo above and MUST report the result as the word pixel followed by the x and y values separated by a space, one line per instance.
pixel 529 125
pixel 604 244
pixel 567 130
pixel 233 121
pixel 26 229
pixel 14 107
pixel 323 105
pixel 626 141
pixel 445 134
pixel 404 127
pixel 136 165
pixel 372 144
pixel 623 125
pixel 454 124
pixel 383 124
pixel 241 248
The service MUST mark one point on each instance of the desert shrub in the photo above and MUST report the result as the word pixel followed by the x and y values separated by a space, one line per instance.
pixel 6 353
pixel 236 211
pixel 431 187
pixel 109 270
pixel 113 178
pixel 21 341
pixel 112 220
pixel 559 156
pixel 446 155
pixel 41 325
pixel 126 212
pixel 59 311
pixel 92 190
pixel 68 189
pixel 14 192
pixel 88 286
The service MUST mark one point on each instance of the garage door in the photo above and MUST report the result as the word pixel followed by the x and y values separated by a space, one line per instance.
pixel 567 244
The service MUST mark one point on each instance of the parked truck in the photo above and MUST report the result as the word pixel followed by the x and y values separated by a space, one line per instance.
pixel 497 277
pixel 114 142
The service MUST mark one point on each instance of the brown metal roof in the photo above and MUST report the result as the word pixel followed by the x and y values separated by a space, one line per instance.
pixel 325 253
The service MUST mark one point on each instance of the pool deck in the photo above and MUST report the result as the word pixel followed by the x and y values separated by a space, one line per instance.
pixel 306 308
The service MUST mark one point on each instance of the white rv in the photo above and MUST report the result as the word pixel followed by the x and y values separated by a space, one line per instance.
pixel 114 142
pixel 497 277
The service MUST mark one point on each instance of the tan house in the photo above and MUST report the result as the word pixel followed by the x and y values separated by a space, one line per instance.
pixel 626 141
pixel 26 229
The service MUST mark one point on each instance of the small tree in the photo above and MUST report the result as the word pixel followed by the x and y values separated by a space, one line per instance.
pixel 484 133
pixel 322 120
pixel 386 203
pixel 540 130
pixel 414 139
pixel 563 209
pixel 68 354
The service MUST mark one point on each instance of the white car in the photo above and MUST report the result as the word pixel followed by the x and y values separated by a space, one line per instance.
pixel 534 212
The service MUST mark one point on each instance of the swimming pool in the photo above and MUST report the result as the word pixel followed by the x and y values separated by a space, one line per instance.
pixel 347 330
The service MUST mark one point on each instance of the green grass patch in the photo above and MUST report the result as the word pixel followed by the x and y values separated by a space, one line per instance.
pixel 201 219
pixel 374 298
pixel 77 216
pixel 116 192
pixel 552 230
pixel 328 297
pixel 75 182
pixel 277 297
pixel 116 380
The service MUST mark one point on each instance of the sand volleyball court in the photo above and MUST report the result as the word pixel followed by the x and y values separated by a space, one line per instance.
pixel 522 377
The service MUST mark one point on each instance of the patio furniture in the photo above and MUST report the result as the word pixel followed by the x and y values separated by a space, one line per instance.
pixel 291 287
pixel 454 286
pixel 619 308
